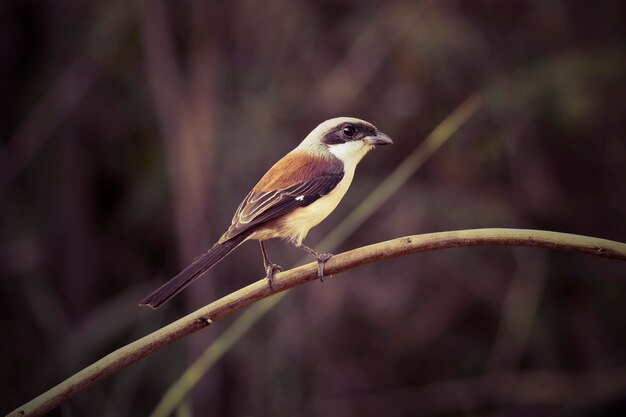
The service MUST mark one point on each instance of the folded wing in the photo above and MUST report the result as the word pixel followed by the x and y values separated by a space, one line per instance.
pixel 295 181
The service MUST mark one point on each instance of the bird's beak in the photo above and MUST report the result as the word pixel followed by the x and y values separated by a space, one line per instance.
pixel 379 139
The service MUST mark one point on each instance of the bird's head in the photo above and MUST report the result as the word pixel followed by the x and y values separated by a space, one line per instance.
pixel 346 138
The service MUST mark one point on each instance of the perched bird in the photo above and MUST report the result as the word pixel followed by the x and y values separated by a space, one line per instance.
pixel 296 194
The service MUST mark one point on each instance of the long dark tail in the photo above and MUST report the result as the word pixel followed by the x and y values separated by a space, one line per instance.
pixel 199 266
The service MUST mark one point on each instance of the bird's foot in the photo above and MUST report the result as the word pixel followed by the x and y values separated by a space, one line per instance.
pixel 271 269
pixel 322 258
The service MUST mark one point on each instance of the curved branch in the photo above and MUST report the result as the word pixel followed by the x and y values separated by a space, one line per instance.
pixel 252 293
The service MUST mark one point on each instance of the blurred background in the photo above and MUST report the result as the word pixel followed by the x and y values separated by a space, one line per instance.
pixel 131 130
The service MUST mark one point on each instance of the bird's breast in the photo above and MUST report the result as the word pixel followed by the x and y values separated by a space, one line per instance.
pixel 296 224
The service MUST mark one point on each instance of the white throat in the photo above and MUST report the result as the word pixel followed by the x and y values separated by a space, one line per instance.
pixel 350 153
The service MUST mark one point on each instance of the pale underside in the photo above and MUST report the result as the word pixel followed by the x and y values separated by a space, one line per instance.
pixel 295 225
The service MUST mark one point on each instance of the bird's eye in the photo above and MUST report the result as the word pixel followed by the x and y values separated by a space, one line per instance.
pixel 349 131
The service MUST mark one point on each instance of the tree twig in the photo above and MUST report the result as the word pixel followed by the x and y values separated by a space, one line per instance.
pixel 252 293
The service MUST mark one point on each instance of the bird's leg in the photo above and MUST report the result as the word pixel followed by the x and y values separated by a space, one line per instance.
pixel 321 259
pixel 270 267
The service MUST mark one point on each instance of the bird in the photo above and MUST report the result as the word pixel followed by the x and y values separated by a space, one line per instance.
pixel 294 195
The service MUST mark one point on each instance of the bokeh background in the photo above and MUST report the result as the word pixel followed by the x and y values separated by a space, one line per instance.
pixel 131 130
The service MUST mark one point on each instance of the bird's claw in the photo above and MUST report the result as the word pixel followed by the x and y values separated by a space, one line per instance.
pixel 321 261
pixel 270 270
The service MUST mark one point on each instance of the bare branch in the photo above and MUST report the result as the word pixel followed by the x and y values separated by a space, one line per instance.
pixel 259 290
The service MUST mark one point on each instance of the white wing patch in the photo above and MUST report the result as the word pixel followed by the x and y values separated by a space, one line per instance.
pixel 300 198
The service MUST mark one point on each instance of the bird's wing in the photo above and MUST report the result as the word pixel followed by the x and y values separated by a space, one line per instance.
pixel 295 181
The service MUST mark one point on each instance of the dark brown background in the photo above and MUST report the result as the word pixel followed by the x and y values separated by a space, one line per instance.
pixel 131 130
